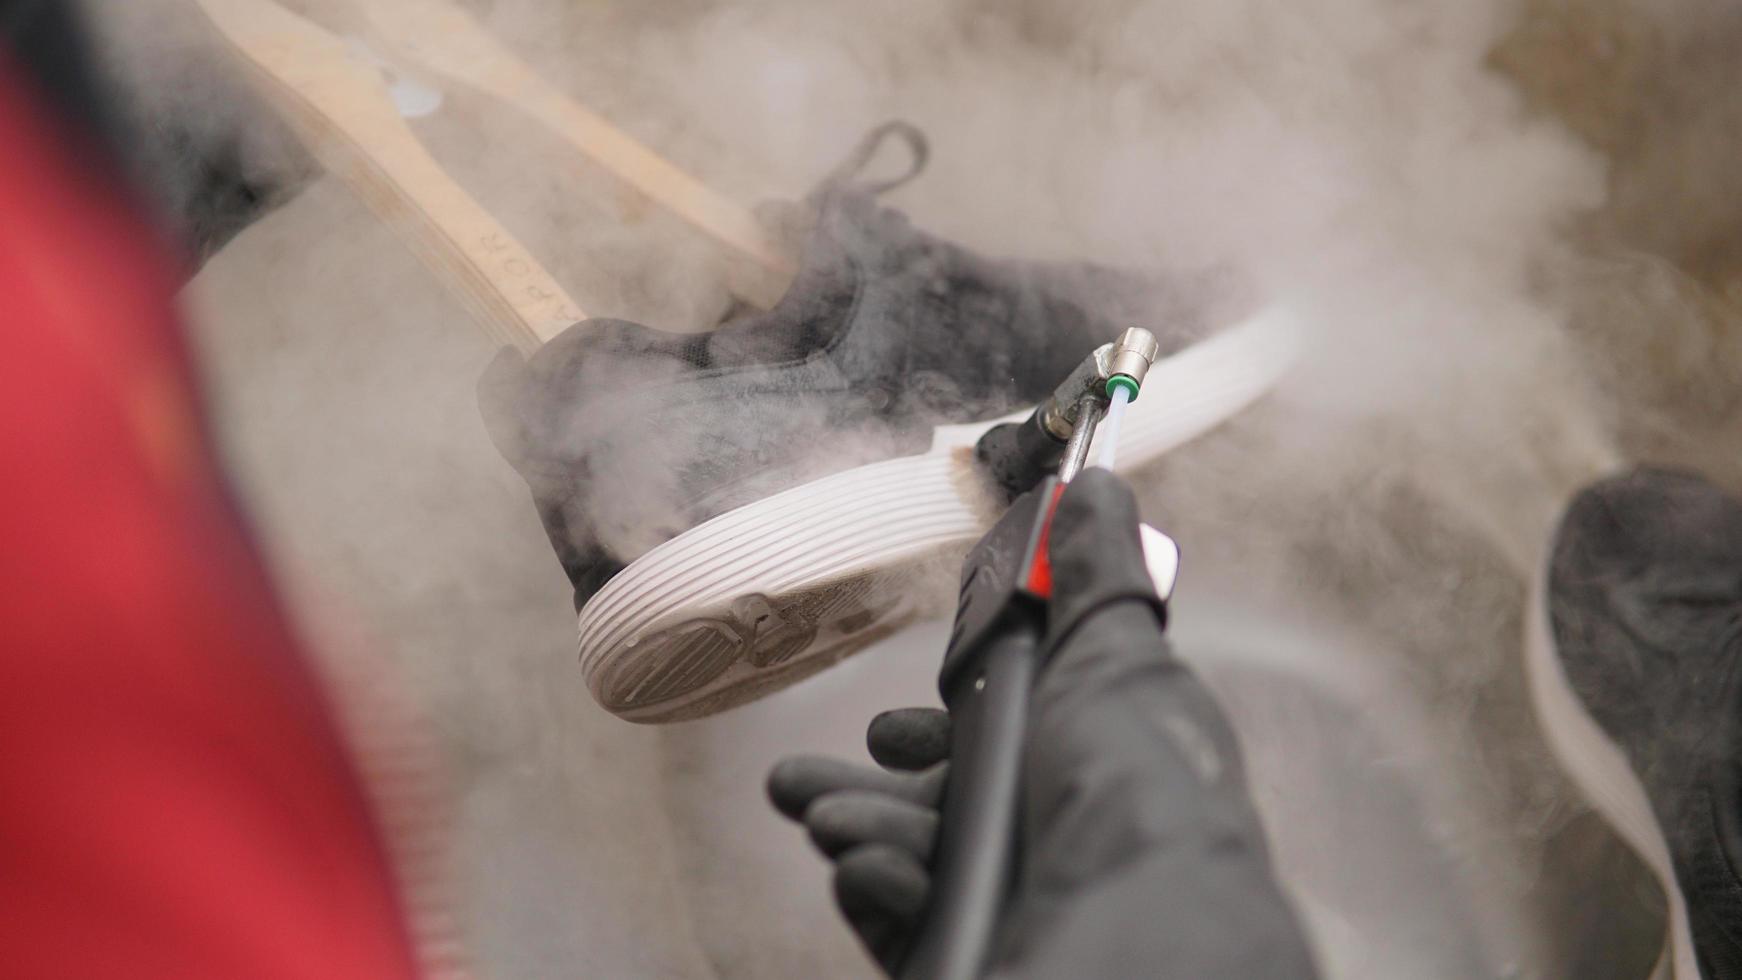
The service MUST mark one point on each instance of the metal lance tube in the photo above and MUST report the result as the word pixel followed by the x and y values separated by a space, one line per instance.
pixel 1077 448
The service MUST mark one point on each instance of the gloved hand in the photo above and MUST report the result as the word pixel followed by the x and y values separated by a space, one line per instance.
pixel 1141 854
pixel 877 825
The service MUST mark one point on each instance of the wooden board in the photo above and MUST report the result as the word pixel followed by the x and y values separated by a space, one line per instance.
pixel 443 39
pixel 340 107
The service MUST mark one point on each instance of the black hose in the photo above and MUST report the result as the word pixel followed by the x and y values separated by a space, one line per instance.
pixel 975 858
pixel 1016 456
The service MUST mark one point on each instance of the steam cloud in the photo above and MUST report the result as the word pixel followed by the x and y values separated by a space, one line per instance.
pixel 1500 313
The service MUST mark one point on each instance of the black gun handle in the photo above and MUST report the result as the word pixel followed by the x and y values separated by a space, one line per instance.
pixel 977 838
pixel 1016 456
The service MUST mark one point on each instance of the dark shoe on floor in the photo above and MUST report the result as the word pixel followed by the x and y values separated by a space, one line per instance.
pixel 1635 662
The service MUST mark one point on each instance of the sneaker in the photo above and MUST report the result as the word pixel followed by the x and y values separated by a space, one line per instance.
pixel 741 508
pixel 1634 655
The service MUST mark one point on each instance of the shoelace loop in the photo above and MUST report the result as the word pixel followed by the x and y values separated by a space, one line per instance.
pixel 852 169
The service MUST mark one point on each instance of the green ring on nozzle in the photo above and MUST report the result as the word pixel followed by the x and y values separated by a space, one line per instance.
pixel 1125 381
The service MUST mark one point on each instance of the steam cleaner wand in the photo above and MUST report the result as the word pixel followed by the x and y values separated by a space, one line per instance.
pixel 994 654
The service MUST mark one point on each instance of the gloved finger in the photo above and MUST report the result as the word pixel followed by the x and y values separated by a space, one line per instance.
pixel 499 389
pixel 909 739
pixel 882 892
pixel 1096 554
pixel 849 818
pixel 796 782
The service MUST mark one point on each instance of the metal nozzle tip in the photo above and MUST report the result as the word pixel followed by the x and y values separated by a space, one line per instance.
pixel 1140 341
pixel 1133 353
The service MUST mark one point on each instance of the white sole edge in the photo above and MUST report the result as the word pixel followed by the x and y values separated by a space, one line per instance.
pixel 781 580
pixel 1601 771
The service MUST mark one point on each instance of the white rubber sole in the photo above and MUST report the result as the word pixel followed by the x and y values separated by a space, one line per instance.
pixel 764 595
pixel 1601 771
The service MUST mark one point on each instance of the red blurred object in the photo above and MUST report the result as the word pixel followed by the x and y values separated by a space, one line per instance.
pixel 175 800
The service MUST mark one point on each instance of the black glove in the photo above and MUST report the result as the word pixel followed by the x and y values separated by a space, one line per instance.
pixel 878 826
pixel 1140 855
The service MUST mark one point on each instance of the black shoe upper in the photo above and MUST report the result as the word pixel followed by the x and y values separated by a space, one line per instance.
pixel 1645 602
pixel 630 435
